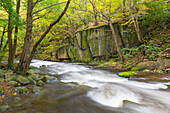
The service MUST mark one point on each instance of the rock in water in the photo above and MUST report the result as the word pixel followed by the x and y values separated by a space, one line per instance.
pixel 4 107
pixel 36 90
pixel 40 83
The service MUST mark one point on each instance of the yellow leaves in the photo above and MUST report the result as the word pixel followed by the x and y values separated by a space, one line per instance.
pixel 7 90
pixel 14 93
pixel 128 22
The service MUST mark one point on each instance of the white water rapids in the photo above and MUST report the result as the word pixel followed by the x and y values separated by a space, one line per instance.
pixel 108 89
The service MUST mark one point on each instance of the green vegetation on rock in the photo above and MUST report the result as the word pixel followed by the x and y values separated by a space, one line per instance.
pixel 126 74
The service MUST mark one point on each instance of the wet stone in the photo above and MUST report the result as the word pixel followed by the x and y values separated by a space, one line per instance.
pixel 4 107
pixel 23 80
pixel 40 83
pixel 13 83
pixel 23 90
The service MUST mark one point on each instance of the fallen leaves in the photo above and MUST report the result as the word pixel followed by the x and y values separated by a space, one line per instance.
pixel 8 90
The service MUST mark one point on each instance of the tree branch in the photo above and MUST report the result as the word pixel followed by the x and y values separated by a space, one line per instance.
pixel 47 7
pixel 35 3
pixel 45 33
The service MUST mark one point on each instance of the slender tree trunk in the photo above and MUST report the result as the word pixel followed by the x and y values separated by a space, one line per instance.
pixel 10 57
pixel 2 38
pixel 27 62
pixel 135 22
pixel 27 40
pixel 16 28
pixel 116 42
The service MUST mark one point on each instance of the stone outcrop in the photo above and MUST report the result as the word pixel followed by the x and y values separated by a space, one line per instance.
pixel 95 43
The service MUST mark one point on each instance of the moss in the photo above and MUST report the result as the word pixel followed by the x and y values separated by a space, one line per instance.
pixel 159 71
pixel 145 70
pixel 95 27
pixel 135 69
pixel 126 74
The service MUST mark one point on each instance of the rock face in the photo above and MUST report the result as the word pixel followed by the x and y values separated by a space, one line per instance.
pixel 96 43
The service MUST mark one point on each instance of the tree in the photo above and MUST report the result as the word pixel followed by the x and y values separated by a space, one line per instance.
pixel 107 16
pixel 25 60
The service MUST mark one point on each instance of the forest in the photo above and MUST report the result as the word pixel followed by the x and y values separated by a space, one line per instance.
pixel 128 37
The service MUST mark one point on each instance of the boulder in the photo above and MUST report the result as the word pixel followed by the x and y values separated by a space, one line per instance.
pixel 22 80
pixel 8 73
pixel 35 77
pixel 167 63
pixel 1 90
pixel 148 65
pixel 4 107
pixel 31 71
pixel 16 99
pixel 13 83
pixel 49 79
pixel 36 90
pixel 11 77
pixel 23 90
pixel 2 80
pixel 40 83
pixel 33 82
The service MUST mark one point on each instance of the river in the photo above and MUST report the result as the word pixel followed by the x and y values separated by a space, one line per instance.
pixel 82 89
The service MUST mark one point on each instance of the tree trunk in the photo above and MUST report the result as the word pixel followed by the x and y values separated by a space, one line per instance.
pixel 16 28
pixel 135 22
pixel 10 57
pixel 27 40
pixel 28 61
pixel 115 40
pixel 2 38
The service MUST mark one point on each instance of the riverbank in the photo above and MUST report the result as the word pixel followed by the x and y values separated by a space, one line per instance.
pixel 12 84
pixel 145 70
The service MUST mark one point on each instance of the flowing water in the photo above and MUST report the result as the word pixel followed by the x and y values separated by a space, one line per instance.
pixel 84 90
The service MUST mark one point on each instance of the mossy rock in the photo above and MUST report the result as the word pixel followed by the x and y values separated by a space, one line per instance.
pixel 1 90
pixel 159 71
pixel 23 90
pixel 2 80
pixel 13 83
pixel 49 79
pixel 17 99
pixel 4 107
pixel 31 71
pixel 126 74
pixel 11 78
pixel 36 90
pixel 22 80
pixel 40 83
pixel 33 82
pixel 35 77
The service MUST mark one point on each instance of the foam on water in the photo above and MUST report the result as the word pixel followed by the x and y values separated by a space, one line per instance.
pixel 108 88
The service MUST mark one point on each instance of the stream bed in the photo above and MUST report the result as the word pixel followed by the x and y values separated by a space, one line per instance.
pixel 82 89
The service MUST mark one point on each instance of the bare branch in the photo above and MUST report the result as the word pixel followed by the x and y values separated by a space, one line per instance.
pixel 41 16
pixel 99 11
pixel 35 3
pixel 47 7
